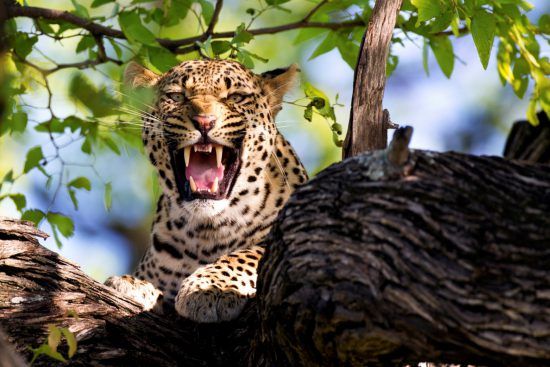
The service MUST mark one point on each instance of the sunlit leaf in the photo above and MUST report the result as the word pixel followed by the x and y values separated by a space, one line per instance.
pixel 133 29
pixel 443 51
pixel 19 200
pixel 71 341
pixel 54 337
pixel 428 9
pixel 108 196
pixel 61 222
pixel 33 215
pixel 34 156
pixel 483 32
pixel 161 58
pixel 80 183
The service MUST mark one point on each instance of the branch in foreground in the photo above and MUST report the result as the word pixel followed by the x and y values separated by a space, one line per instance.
pixel 183 45
pixel 371 262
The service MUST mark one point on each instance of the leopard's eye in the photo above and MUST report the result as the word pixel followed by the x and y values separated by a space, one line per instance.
pixel 236 97
pixel 176 97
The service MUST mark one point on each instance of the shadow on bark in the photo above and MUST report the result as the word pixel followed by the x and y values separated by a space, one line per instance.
pixel 388 258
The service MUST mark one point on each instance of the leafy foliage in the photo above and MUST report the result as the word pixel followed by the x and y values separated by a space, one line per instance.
pixel 50 347
pixel 106 116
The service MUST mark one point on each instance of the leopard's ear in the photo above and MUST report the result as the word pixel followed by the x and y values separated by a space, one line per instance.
pixel 276 83
pixel 136 76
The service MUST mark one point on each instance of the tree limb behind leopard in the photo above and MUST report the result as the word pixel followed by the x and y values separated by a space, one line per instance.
pixel 225 172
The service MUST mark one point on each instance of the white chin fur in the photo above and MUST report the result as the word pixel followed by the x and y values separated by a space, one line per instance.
pixel 201 208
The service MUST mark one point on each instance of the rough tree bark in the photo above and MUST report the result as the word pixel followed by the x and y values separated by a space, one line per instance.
pixel 368 125
pixel 387 258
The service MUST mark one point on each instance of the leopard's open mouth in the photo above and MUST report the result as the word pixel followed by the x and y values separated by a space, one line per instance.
pixel 205 171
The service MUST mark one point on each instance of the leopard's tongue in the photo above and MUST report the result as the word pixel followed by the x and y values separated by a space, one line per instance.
pixel 202 172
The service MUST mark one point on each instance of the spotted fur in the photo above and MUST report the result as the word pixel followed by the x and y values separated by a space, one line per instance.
pixel 204 253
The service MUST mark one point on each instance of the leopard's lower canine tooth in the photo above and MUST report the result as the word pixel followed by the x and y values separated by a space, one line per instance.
pixel 192 184
pixel 219 153
pixel 215 185
pixel 187 155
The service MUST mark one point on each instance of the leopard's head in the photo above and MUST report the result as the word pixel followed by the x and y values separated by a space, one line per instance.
pixel 212 130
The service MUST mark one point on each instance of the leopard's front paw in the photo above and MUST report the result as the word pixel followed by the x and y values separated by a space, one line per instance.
pixel 139 290
pixel 200 300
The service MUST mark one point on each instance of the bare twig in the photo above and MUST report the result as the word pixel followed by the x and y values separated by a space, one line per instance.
pixel 215 17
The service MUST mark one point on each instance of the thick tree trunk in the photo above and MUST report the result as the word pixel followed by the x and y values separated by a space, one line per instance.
pixel 387 258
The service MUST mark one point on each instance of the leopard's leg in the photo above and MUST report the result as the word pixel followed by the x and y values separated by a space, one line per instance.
pixel 218 291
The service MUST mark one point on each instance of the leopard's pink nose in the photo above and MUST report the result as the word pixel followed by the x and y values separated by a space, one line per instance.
pixel 204 123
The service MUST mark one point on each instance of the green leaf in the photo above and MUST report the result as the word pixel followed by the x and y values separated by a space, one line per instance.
pixel 116 47
pixel 111 144
pixel 85 43
pixel 330 42
pixel 98 3
pixel 108 196
pixel 428 9
pixel 62 222
pixel 161 58
pixel 23 44
pixel 87 145
pixel 34 156
pixel 98 101
pixel 220 47
pixel 53 126
pixel 131 26
pixel 544 23
pixel 207 10
pixel 19 200
pixel 443 51
pixel 80 10
pixel 483 32
pixel 45 349
pixel 306 34
pixel 308 112
pixel 242 35
pixel 18 122
pixel 391 64
pixel 54 337
pixel 72 195
pixel 33 215
pixel 71 341
pixel 425 53
pixel 532 112
pixel 80 183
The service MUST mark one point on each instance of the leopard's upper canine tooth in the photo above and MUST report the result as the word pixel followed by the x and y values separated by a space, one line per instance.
pixel 219 153
pixel 187 155
pixel 215 185
pixel 192 184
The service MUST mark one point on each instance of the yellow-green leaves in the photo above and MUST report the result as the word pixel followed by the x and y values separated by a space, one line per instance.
pixel 483 32
pixel 134 30
pixel 161 58
pixel 428 9
pixel 98 101
pixel 443 51
pixel 34 156
pixel 49 348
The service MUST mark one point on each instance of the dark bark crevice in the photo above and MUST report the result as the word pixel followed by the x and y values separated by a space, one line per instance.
pixel 441 257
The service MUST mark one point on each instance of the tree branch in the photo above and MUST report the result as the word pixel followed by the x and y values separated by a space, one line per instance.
pixel 367 129
pixel 183 45
pixel 370 263
pixel 215 16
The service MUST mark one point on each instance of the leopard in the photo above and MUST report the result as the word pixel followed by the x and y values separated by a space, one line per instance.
pixel 225 171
